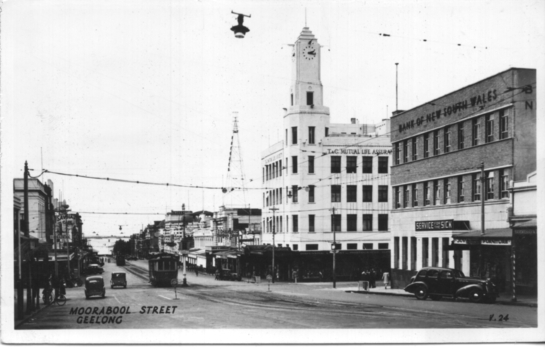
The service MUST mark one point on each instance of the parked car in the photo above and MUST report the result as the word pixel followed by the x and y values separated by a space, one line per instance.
pixel 94 269
pixel 437 282
pixel 94 285
pixel 119 278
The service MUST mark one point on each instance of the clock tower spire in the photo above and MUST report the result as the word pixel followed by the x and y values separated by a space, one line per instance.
pixel 306 87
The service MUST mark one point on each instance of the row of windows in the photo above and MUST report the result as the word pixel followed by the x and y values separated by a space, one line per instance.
pixel 274 197
pixel 465 188
pixel 467 133
pixel 351 223
pixel 311 135
pixel 310 98
pixel 352 164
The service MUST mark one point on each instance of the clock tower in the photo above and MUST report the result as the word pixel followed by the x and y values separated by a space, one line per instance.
pixel 306 87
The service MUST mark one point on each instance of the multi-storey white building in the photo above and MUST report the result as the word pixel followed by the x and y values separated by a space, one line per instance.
pixel 324 178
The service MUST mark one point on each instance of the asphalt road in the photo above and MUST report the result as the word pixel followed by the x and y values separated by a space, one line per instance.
pixel 208 303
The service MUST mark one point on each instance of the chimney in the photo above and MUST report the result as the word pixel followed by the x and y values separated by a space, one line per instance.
pixel 353 120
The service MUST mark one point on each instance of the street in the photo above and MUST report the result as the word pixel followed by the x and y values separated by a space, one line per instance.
pixel 208 303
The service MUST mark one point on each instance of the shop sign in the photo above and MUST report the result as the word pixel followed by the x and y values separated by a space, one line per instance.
pixel 433 225
pixel 358 151
pixel 525 231
pixel 273 158
pixel 468 241
pixel 474 101
pixel 496 241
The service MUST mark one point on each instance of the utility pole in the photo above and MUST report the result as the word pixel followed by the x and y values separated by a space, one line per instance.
pixel 273 234
pixel 334 247
pixel 483 183
pixel 29 299
pixel 396 86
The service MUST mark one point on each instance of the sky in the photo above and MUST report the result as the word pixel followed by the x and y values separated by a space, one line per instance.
pixel 147 90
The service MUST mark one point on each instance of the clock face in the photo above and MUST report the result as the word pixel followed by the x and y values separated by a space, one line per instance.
pixel 309 51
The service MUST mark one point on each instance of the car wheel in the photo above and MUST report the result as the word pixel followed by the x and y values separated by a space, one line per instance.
pixel 421 293
pixel 475 295
pixel 436 297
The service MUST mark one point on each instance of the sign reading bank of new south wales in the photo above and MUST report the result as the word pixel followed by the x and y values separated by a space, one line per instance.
pixel 358 151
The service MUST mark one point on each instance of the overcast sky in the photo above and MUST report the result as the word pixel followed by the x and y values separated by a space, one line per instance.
pixel 146 90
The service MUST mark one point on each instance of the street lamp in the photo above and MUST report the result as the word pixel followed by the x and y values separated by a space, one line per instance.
pixel 240 30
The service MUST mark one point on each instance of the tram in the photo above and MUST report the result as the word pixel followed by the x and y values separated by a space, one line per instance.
pixel 163 268
pixel 120 260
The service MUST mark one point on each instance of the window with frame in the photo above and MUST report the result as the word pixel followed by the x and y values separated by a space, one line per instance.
pixel 310 247
pixel 367 165
pixel 476 131
pixel 295 223
pixel 367 222
pixel 436 197
pixel 293 135
pixel 436 142
pixel 351 164
pixel 446 139
pixel 367 193
pixel 382 193
pixel 414 145
pixel 415 195
pixel 446 191
pixel 504 124
pixel 295 193
pixel 351 193
pixel 294 164
pixel 489 120
pixel 383 246
pixel 406 197
pixel 326 132
pixel 427 194
pixel 310 98
pixel 296 247
pixel 461 189
pixel 426 145
pixel 311 219
pixel 383 165
pixel 311 134
pixel 383 222
pixel 476 187
pixel 336 222
pixel 504 183
pixel 367 246
pixel 461 136
pixel 311 193
pixel 291 99
pixel 397 152
pixel 351 222
pixel 490 185
pixel 335 164
pixel 311 164
pixel 351 246
pixel 405 151
pixel 397 199
pixel 335 193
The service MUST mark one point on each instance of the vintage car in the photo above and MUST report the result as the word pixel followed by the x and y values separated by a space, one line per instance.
pixel 94 285
pixel 94 269
pixel 437 282
pixel 119 278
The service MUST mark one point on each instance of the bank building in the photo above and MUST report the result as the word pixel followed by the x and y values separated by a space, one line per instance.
pixel 463 183
pixel 325 183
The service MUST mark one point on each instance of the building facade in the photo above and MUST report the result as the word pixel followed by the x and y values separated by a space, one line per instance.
pixel 325 181
pixel 440 150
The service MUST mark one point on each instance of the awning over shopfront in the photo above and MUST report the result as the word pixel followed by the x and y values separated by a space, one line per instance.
pixel 491 237
pixel 525 227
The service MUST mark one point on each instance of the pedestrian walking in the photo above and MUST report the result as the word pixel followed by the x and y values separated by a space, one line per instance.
pixel 373 278
pixel 197 271
pixel 386 279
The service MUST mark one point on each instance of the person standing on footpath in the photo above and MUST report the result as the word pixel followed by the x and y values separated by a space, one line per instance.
pixel 386 279
pixel 373 278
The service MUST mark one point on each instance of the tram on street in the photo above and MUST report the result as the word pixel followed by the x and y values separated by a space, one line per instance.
pixel 163 268
pixel 120 260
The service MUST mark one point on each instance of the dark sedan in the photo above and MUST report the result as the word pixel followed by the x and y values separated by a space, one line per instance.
pixel 437 282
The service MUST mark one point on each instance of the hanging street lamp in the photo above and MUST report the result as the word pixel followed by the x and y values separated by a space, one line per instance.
pixel 240 30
